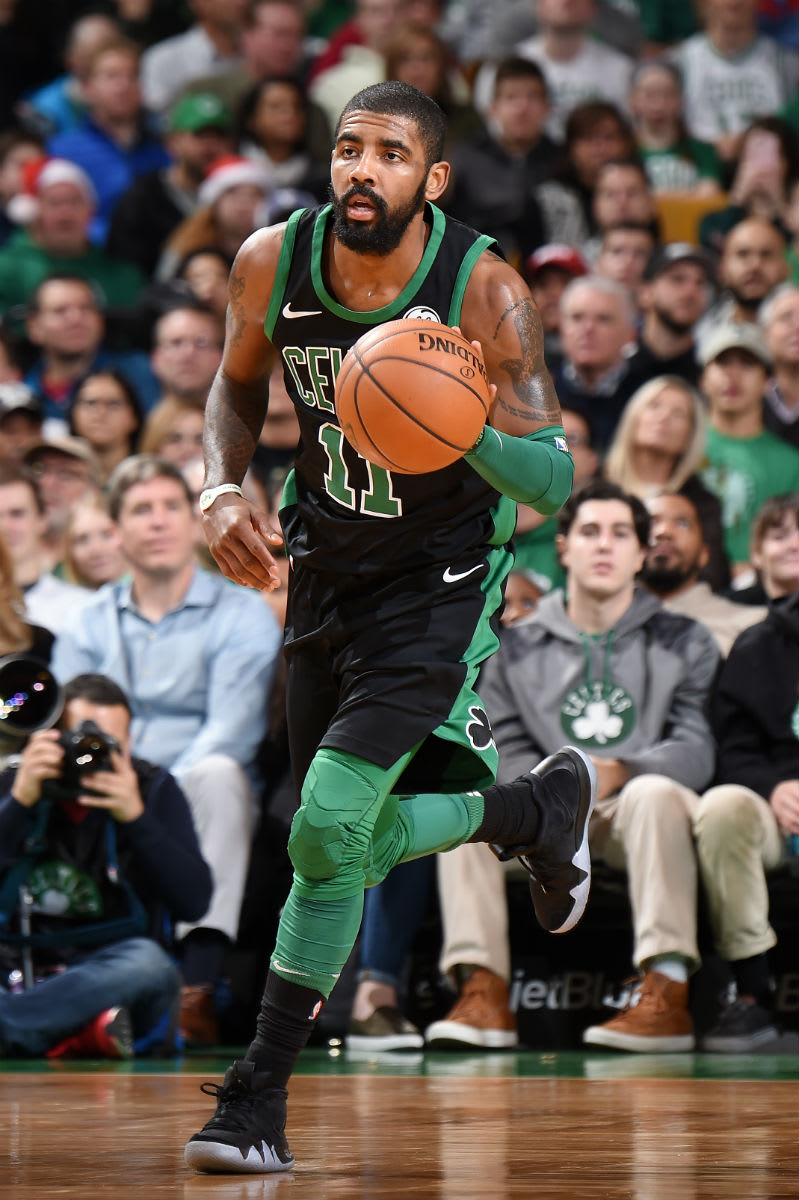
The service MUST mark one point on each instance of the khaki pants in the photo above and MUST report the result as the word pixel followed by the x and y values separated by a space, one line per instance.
pixel 737 841
pixel 224 810
pixel 647 829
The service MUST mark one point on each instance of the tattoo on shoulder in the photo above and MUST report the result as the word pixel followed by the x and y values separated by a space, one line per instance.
pixel 532 383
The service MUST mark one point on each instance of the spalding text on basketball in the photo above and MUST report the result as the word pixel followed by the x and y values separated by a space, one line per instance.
pixel 428 341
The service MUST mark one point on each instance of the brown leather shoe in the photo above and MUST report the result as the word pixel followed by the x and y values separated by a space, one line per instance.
pixel 656 1019
pixel 481 1017
pixel 198 1020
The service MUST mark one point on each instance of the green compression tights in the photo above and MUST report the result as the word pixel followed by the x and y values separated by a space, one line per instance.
pixel 348 833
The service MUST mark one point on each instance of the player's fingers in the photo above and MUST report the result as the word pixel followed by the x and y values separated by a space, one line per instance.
pixel 243 566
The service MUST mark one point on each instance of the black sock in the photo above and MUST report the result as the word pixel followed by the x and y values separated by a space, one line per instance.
pixel 511 815
pixel 285 1023
pixel 202 953
pixel 752 979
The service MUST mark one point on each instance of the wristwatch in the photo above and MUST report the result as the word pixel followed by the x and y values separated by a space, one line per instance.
pixel 210 494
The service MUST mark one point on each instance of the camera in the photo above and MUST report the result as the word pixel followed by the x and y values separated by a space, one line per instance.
pixel 86 749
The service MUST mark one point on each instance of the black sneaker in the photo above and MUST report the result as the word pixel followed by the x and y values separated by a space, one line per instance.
pixel 743 1025
pixel 560 862
pixel 246 1133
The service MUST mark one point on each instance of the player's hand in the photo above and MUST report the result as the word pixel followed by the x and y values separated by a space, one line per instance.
pixel 239 536
pixel 784 802
pixel 41 759
pixel 478 346
pixel 116 790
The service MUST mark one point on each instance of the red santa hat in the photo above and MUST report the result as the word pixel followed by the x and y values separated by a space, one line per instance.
pixel 231 171
pixel 42 173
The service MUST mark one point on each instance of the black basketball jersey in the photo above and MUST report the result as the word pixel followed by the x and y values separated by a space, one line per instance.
pixel 339 512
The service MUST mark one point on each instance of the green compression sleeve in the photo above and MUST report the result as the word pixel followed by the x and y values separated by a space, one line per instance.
pixel 537 469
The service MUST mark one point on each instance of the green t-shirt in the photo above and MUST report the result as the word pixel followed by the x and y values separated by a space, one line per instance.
pixel 24 264
pixel 744 473
pixel 535 551
pixel 680 167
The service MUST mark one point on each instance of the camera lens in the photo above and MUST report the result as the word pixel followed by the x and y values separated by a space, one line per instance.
pixel 29 696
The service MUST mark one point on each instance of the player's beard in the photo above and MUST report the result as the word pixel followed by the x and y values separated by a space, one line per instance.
pixel 386 233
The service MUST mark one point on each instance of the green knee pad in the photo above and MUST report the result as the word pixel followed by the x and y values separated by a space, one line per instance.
pixel 331 831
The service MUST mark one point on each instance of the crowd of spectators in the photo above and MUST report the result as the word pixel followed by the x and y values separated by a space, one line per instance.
pixel 638 164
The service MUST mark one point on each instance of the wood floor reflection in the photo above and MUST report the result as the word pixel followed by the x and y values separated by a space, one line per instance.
pixel 88 1135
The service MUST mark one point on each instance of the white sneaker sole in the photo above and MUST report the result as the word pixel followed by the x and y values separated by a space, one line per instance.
pixel 399 1041
pixel 595 1035
pixel 453 1034
pixel 217 1157
pixel 582 859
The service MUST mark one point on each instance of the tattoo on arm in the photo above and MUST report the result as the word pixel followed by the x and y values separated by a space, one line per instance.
pixel 235 315
pixel 529 375
pixel 234 416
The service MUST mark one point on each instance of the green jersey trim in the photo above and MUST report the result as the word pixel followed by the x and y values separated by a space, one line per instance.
pixel 390 311
pixel 282 273
pixel 467 266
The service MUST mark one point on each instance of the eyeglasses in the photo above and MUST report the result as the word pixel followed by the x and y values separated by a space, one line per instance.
pixel 94 403
pixel 63 472
pixel 191 343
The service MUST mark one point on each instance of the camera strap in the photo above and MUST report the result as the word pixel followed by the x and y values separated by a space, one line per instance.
pixel 133 924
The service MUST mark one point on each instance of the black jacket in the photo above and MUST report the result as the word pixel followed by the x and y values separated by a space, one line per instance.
pixel 755 703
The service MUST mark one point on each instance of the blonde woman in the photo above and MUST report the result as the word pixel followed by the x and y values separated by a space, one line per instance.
pixel 92 554
pixel 659 446
pixel 174 430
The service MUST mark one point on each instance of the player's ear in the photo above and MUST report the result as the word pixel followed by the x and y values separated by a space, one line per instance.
pixel 437 180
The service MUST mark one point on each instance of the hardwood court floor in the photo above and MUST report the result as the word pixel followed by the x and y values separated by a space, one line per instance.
pixel 467 1128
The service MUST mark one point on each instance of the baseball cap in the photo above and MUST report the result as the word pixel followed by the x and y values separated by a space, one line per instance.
pixel 556 254
pixel 18 397
pixel 734 337
pixel 677 252
pixel 69 447
pixel 199 110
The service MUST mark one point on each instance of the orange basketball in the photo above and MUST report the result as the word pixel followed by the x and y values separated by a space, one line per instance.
pixel 412 396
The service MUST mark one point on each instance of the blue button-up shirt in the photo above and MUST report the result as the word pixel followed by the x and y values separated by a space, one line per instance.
pixel 198 679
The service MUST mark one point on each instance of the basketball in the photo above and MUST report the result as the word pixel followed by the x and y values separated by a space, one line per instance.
pixel 412 396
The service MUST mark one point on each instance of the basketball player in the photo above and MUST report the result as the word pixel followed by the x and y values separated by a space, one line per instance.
pixel 396 580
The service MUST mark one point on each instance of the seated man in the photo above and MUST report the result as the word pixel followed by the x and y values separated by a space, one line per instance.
pixel 677 554
pixel 119 984
pixel 745 820
pixel 196 655
pixel 629 684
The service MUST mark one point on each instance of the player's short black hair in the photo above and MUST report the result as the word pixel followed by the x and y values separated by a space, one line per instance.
pixel 401 100
pixel 602 489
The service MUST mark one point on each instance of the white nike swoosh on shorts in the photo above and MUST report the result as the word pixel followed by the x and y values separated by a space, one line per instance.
pixel 451 576
pixel 289 313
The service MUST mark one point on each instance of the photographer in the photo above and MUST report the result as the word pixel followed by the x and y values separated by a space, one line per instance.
pixel 100 849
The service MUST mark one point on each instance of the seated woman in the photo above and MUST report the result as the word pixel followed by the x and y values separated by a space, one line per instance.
pixel 92 554
pixel 106 413
pixel 658 446
pixel 206 271
pixel 415 54
pixel 230 203
pixel 273 132
pixel 174 431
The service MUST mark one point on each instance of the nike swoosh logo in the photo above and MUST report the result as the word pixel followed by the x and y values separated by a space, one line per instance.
pixel 451 576
pixel 290 313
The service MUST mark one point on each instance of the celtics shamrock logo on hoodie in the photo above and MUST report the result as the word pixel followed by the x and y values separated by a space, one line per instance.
pixel 598 712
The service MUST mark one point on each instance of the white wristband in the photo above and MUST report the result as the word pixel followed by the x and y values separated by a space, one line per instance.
pixel 210 494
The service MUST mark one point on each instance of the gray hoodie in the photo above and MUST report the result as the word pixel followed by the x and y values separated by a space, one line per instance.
pixel 638 694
